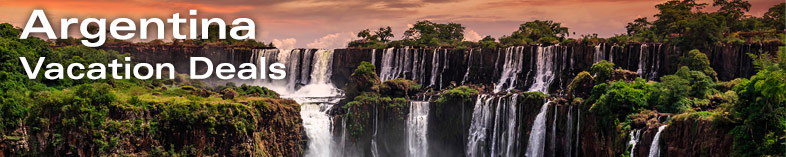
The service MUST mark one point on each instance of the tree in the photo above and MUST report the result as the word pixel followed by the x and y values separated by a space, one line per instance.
pixel 732 9
pixel 384 34
pixel 774 17
pixel 432 34
pixel 365 34
pixel 761 109
pixel 672 13
pixel 548 31
pixel 637 26
pixel 697 60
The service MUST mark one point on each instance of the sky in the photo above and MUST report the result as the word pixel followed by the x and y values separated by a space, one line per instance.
pixel 331 24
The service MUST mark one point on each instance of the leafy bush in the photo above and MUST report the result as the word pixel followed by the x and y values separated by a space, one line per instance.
pixel 617 99
pixel 457 95
pixel 761 109
pixel 696 60
pixel 602 70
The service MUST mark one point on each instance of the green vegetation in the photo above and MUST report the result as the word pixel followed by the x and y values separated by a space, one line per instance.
pixel 698 61
pixel 602 70
pixel 130 117
pixel 761 110
pixel 684 23
pixel 545 32
pixel 367 96
pixel 615 100
pixel 753 110
pixel 457 95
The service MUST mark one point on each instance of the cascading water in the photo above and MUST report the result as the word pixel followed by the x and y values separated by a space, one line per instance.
pixel 544 73
pixel 569 132
pixel 514 58
pixel 655 146
pixel 403 63
pixel 635 135
pixel 481 117
pixel 308 83
pixel 538 134
pixel 317 125
pixel 642 63
pixel 374 147
pixel 469 65
pixel 503 123
pixel 599 54
pixel 417 125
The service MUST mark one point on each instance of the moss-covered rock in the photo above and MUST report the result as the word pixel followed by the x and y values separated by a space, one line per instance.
pixel 581 85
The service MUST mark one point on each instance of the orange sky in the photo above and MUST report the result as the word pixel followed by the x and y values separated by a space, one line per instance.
pixel 332 23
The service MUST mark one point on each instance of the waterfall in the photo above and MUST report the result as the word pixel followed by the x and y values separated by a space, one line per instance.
pixel 578 130
pixel 535 146
pixel 374 148
pixel 501 123
pixel 308 83
pixel 343 139
pixel 373 56
pixel 417 127
pixel 504 137
pixel 635 135
pixel 543 73
pixel 308 73
pixel 404 63
pixel 599 54
pixel 642 62
pixel 569 132
pixel 513 128
pixel 317 125
pixel 385 72
pixel 554 132
pixel 477 130
pixel 435 67
pixel 655 146
pixel 469 65
pixel 513 63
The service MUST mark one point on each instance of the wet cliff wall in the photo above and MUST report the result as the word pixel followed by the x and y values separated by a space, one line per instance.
pixel 439 68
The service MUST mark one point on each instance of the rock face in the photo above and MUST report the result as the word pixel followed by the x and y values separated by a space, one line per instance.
pixel 439 68
pixel 371 128
pixel 696 137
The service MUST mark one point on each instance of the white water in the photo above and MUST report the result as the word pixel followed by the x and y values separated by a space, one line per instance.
pixel 535 146
pixel 317 125
pixel 642 62
pixel 513 131
pixel 514 58
pixel 544 73
pixel 599 55
pixel 569 132
pixel 308 83
pixel 480 122
pixel 655 147
pixel 635 135
pixel 313 69
pixel 417 128
pixel 469 65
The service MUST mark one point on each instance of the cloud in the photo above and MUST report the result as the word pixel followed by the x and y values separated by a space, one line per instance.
pixel 471 35
pixel 332 41
pixel 288 43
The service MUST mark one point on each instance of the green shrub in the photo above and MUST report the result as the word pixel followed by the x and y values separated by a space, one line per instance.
pixel 457 95
pixel 602 70
pixel 613 102
pixel 698 61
